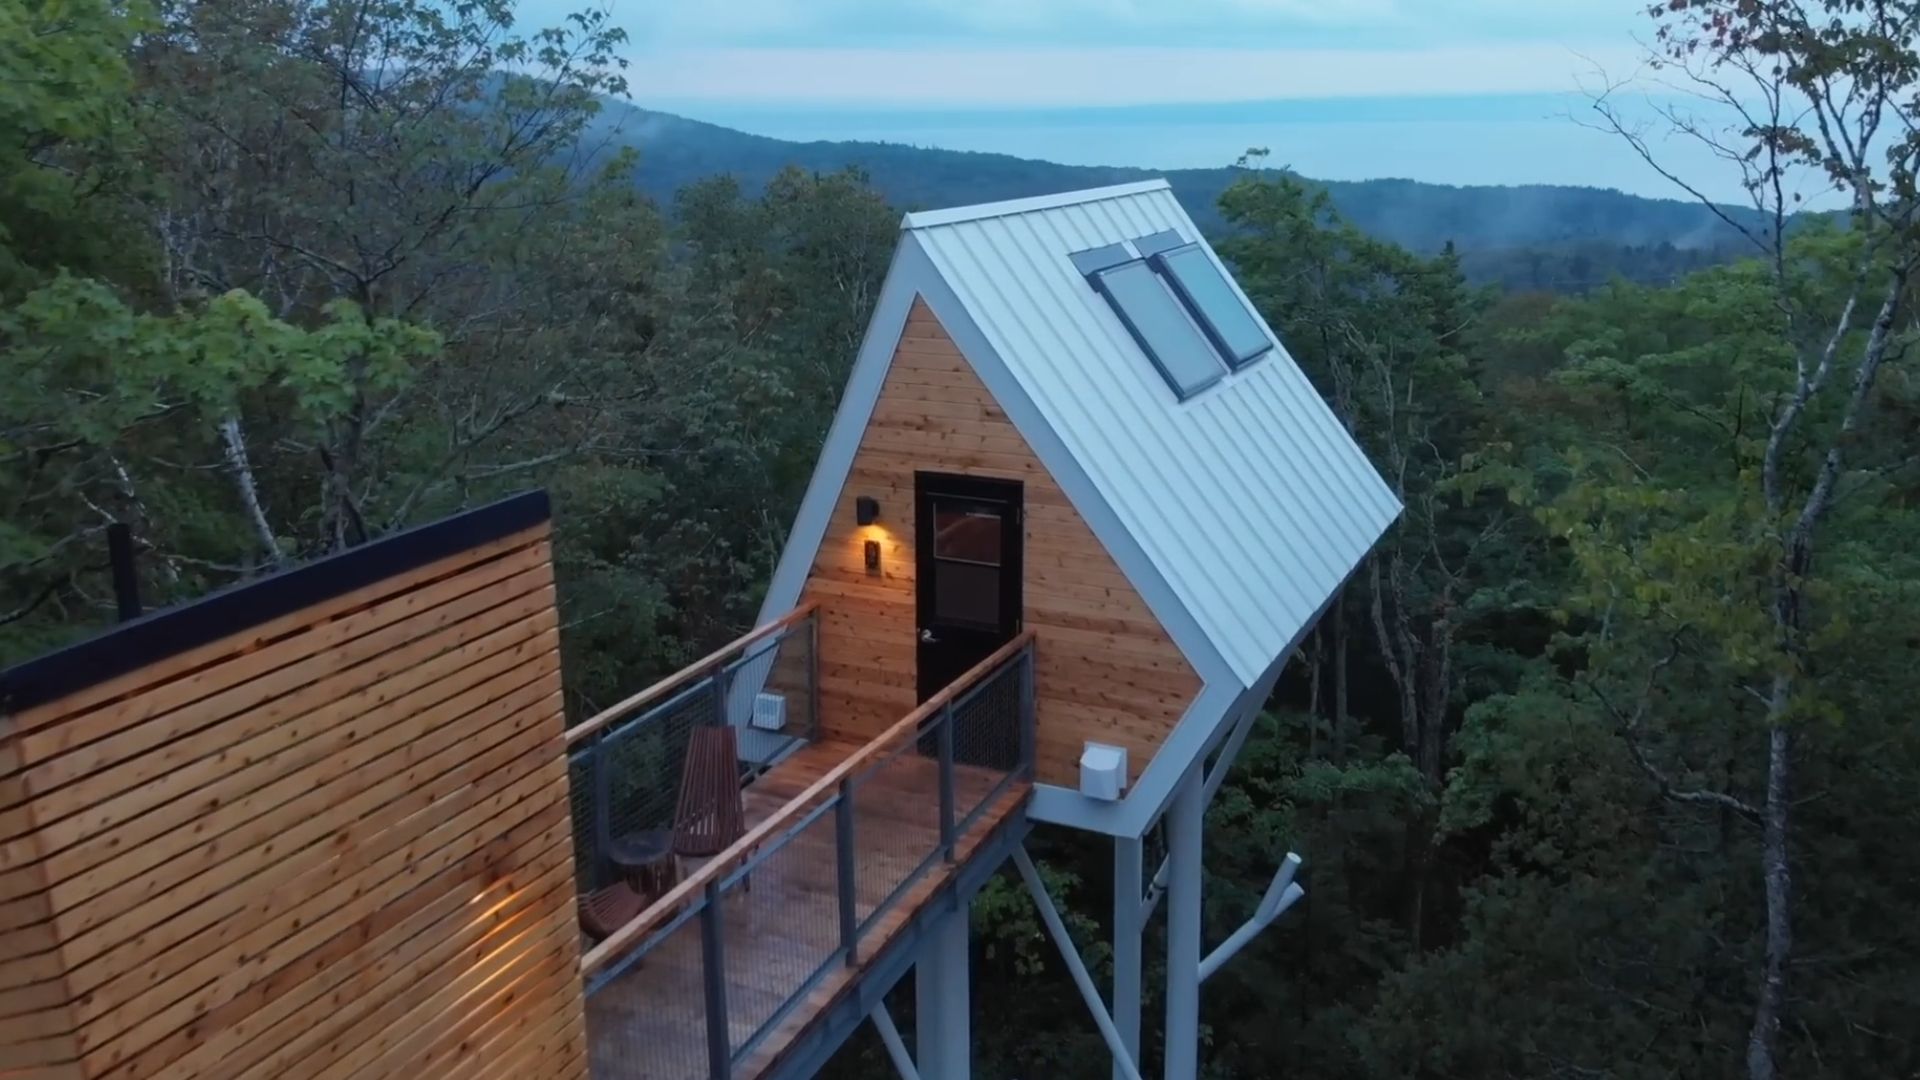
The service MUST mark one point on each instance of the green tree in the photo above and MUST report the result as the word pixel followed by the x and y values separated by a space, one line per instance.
pixel 1826 90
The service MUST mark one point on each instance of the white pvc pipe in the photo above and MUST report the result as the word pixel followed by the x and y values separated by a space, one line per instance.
pixel 1248 931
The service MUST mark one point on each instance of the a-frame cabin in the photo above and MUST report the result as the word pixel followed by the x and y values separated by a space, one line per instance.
pixel 1074 387
pixel 1067 422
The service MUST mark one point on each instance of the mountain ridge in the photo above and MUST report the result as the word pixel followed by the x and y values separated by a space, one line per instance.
pixel 1505 234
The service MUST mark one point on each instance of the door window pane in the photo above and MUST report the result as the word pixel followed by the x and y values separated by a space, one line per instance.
pixel 966 532
pixel 966 592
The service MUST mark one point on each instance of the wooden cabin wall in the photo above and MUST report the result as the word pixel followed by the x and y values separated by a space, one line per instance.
pixel 336 844
pixel 1105 668
pixel 36 1018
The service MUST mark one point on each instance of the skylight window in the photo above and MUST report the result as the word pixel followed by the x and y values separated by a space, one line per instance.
pixel 1161 325
pixel 1155 243
pixel 1219 310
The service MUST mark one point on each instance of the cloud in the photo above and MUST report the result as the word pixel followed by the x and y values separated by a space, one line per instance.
pixel 678 23
pixel 1053 76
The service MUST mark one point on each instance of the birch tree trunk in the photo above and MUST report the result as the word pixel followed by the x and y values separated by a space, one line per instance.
pixel 234 442
pixel 1798 88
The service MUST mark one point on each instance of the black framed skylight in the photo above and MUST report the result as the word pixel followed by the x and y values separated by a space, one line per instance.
pixel 1155 243
pixel 1179 306
pixel 1219 310
pixel 1169 337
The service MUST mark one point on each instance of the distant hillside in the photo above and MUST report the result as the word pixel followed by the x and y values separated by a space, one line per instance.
pixel 1528 236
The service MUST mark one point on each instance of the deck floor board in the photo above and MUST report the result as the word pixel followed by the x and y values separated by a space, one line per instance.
pixel 650 1022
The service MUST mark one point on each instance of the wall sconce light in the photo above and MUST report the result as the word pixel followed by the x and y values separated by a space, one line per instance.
pixel 873 554
pixel 866 510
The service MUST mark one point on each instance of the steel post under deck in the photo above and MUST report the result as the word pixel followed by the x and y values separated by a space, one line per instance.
pixel 944 1000
pixel 1183 926
pixel 1129 918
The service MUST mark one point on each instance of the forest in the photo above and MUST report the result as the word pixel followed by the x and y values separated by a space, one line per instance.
pixel 1601 766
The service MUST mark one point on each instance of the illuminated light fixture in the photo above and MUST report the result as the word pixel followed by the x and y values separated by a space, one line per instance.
pixel 866 510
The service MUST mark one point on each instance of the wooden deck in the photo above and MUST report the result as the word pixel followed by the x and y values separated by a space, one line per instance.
pixel 650 1022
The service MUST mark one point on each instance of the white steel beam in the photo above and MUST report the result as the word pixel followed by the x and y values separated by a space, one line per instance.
pixel 944 1001
pixel 1127 922
pixel 897 1050
pixel 1216 776
pixel 1122 1058
pixel 1183 927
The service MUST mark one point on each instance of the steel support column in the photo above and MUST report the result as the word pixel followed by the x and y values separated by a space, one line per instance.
pixel 1082 981
pixel 944 1001
pixel 1183 926
pixel 897 1050
pixel 1128 920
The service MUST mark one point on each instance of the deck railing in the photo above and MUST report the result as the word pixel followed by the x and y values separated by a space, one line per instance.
pixel 838 880
pixel 626 761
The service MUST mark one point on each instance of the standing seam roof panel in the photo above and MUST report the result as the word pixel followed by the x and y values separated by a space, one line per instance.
pixel 1012 324
pixel 1066 294
pixel 1141 222
pixel 1250 500
pixel 1121 448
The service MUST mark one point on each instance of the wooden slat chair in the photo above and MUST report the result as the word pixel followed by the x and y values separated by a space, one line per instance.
pixel 710 814
pixel 605 910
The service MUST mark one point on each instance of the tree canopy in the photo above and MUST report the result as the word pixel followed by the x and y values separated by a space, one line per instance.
pixel 1601 765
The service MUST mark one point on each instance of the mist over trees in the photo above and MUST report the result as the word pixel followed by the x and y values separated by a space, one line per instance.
pixel 1604 763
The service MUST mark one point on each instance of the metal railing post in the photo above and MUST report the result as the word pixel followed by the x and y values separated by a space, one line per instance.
pixel 843 856
pixel 813 676
pixel 945 740
pixel 720 696
pixel 714 968
pixel 602 812
pixel 1026 710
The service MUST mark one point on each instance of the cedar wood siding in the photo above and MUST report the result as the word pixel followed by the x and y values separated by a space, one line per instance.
pixel 333 844
pixel 1105 668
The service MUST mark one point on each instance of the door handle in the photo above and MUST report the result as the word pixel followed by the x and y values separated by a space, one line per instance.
pixel 927 638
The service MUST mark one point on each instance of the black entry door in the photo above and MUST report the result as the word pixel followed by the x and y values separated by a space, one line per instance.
pixel 967 544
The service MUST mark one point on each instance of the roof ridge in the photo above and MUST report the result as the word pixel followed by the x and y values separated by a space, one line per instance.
pixel 1007 207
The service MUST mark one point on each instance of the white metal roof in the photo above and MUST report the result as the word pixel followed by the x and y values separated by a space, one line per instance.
pixel 1250 500
pixel 929 218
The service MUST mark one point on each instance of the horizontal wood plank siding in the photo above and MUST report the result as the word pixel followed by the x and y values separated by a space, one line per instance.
pixel 335 844
pixel 1105 668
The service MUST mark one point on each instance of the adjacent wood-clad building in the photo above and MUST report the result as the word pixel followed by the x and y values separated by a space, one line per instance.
pixel 315 826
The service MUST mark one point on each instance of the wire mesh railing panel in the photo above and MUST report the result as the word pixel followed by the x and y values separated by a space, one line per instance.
pixel 649 1019
pixel 988 745
pixel 775 910
pixel 639 769
pixel 896 826
pixel 771 693
pixel 581 800
pixel 630 773
pixel 783 909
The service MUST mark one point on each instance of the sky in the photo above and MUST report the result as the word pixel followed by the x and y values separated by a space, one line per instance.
pixel 1449 91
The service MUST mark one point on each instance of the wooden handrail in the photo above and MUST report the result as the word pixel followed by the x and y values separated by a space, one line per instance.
pixel 702 666
pixel 740 850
